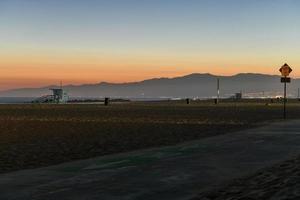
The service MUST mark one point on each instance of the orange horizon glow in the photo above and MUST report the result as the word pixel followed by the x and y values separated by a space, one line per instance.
pixel 43 69
pixel 23 77
pixel 33 68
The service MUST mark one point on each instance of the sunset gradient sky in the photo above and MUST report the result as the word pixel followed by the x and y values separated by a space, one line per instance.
pixel 89 41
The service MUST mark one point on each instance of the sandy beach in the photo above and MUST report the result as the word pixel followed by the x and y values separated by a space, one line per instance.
pixel 282 181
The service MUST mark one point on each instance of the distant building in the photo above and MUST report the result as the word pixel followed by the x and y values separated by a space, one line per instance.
pixel 238 95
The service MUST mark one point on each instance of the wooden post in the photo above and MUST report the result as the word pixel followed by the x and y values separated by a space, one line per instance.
pixel 106 101
pixel 187 101
pixel 216 101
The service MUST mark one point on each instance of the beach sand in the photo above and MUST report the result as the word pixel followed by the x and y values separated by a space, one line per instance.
pixel 282 181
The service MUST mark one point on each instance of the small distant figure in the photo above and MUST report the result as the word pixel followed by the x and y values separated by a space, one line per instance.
pixel 106 101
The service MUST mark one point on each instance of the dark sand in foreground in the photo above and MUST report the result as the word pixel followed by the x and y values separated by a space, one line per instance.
pixel 282 181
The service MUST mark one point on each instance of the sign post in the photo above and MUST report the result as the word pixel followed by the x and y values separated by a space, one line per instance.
pixel 218 90
pixel 285 72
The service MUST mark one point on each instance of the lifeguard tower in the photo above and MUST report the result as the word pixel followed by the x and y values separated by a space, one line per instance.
pixel 59 95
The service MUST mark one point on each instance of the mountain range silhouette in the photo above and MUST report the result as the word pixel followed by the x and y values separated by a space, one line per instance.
pixel 192 85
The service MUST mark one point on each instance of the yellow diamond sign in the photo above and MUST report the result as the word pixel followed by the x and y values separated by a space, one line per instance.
pixel 285 70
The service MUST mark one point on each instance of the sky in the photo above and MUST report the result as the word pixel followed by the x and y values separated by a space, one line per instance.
pixel 88 41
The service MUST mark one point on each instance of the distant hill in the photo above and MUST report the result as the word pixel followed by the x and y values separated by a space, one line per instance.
pixel 193 85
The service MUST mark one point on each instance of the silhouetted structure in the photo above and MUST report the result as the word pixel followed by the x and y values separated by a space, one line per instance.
pixel 59 95
pixel 187 101
pixel 238 96
pixel 216 101
pixel 106 101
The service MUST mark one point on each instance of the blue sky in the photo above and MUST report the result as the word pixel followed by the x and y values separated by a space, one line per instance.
pixel 151 23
